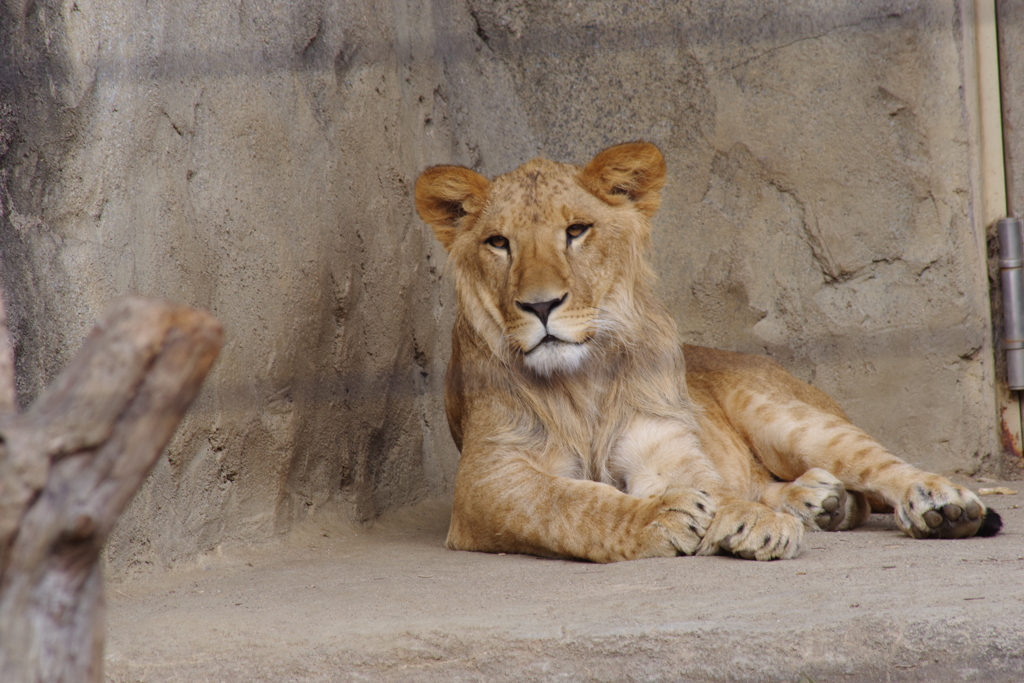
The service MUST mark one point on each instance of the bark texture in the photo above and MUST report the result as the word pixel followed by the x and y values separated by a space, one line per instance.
pixel 70 465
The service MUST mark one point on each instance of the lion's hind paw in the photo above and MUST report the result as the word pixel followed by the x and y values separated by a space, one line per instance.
pixel 816 497
pixel 937 508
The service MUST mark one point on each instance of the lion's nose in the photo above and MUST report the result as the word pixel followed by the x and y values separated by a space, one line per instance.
pixel 541 309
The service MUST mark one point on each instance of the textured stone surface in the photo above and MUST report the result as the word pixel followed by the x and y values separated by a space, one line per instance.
pixel 819 204
pixel 258 160
pixel 393 605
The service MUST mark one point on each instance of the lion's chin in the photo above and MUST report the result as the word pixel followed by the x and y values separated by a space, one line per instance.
pixel 552 356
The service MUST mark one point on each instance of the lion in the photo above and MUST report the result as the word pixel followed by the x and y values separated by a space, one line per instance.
pixel 587 429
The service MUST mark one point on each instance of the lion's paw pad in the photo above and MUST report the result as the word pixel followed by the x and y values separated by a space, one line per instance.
pixel 941 509
pixel 818 498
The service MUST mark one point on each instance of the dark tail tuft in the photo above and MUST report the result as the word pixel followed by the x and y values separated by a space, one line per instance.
pixel 991 525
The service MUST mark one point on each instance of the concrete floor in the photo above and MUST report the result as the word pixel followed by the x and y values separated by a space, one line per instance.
pixel 391 604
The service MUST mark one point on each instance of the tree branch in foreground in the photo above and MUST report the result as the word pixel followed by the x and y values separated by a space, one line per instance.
pixel 71 464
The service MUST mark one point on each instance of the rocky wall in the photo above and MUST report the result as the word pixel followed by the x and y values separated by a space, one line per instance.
pixel 819 206
pixel 257 159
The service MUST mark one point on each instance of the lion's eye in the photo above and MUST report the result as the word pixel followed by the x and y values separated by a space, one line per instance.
pixel 498 242
pixel 576 230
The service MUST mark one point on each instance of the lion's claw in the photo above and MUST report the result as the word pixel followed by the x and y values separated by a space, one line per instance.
pixel 680 522
pixel 754 532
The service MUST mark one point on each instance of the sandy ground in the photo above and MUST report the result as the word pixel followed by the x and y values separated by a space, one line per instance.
pixel 332 603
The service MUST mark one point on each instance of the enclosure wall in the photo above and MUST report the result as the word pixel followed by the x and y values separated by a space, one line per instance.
pixel 258 159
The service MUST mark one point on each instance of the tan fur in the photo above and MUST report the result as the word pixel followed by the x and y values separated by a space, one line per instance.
pixel 587 430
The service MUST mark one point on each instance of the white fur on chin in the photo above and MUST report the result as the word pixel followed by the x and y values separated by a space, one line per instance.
pixel 552 357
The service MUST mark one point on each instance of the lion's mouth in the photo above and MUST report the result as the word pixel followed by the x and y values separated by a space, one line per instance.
pixel 552 339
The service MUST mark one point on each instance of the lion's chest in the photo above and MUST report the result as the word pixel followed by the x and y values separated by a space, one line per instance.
pixel 581 428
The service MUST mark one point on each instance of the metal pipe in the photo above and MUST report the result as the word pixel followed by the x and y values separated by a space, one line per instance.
pixel 983 63
pixel 1011 271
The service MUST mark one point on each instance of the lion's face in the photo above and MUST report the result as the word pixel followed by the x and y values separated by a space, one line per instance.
pixel 545 256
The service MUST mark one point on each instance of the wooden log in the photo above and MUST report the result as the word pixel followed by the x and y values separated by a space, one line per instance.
pixel 69 467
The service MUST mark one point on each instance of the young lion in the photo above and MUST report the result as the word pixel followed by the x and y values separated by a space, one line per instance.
pixel 588 431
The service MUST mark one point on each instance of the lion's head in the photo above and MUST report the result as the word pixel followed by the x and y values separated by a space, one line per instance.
pixel 548 259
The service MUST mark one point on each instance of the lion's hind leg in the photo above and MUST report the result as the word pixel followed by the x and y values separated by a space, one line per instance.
pixel 794 429
pixel 793 437
pixel 820 500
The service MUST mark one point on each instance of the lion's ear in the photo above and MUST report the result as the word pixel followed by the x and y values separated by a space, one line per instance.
pixel 633 171
pixel 445 194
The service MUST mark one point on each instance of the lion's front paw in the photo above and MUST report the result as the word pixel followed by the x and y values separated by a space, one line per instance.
pixel 754 532
pixel 818 498
pixel 938 508
pixel 679 521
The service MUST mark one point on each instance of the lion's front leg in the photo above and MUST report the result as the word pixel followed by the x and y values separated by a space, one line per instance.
pixel 506 504
pixel 655 455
